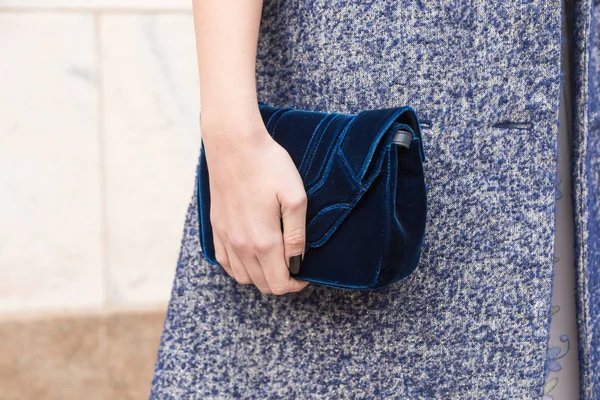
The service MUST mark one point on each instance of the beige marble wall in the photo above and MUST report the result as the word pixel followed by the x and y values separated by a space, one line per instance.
pixel 99 140
pixel 51 255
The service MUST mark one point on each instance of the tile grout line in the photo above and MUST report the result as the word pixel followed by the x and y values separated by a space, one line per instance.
pixel 98 10
pixel 82 313
pixel 104 232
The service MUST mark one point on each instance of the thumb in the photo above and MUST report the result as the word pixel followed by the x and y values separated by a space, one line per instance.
pixel 293 216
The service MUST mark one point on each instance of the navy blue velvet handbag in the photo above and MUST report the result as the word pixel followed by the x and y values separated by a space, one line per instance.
pixel 367 201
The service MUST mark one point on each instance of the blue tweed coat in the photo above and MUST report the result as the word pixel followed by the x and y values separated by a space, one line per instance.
pixel 472 322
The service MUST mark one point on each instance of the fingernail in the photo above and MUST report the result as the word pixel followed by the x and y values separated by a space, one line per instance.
pixel 295 262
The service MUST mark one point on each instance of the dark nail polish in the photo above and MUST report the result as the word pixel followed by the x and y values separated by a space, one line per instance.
pixel 295 262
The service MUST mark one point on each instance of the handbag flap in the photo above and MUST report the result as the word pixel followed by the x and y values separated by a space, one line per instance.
pixel 337 155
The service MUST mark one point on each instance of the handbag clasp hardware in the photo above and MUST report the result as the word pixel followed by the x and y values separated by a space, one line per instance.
pixel 402 137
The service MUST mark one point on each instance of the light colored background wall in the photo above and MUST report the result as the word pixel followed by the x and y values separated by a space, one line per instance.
pixel 99 139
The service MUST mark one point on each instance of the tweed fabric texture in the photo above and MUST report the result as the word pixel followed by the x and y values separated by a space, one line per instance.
pixel 593 166
pixel 472 321
pixel 586 187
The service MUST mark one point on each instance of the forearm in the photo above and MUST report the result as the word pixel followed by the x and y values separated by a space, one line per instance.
pixel 226 41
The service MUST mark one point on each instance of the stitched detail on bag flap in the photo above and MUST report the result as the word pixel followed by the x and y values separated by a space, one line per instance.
pixel 340 157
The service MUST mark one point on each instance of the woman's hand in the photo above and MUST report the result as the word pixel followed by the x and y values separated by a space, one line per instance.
pixel 254 186
pixel 254 183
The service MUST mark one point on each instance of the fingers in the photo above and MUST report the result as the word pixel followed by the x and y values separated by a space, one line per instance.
pixel 293 215
pixel 256 272
pixel 239 271
pixel 229 261
pixel 244 264
pixel 293 219
pixel 221 254
pixel 270 254
pixel 262 264
pixel 266 261
pixel 249 268
pixel 297 285
pixel 245 273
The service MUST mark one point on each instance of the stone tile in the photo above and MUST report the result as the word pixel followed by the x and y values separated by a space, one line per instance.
pixel 50 250
pixel 53 359
pixel 75 357
pixel 133 340
pixel 99 4
pixel 151 124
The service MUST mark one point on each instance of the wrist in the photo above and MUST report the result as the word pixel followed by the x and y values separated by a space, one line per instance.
pixel 245 122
